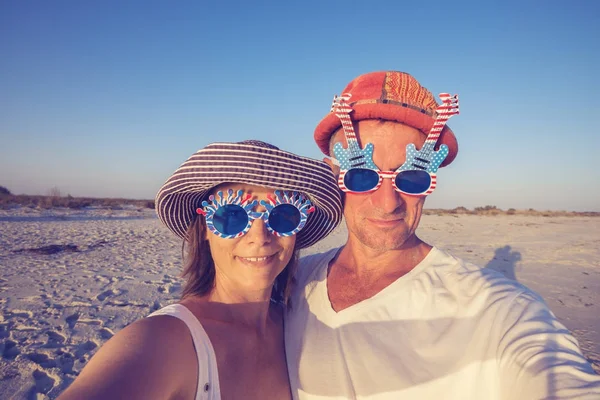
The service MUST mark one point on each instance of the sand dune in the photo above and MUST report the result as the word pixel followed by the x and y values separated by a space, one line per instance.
pixel 70 279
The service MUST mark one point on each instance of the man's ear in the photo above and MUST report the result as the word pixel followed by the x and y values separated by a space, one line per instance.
pixel 334 168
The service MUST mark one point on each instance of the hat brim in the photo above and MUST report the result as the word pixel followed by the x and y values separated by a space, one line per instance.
pixel 180 196
pixel 405 114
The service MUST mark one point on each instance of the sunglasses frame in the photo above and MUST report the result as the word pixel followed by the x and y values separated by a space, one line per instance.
pixel 278 198
pixel 426 160
pixel 387 175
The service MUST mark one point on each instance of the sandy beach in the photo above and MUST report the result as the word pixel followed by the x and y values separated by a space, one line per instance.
pixel 70 280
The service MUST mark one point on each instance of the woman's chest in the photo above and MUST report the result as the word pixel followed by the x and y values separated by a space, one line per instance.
pixel 250 367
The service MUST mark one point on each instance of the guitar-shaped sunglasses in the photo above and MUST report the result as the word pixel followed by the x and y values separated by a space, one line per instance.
pixel 416 177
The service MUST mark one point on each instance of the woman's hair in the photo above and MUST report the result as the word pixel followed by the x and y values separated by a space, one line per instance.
pixel 199 266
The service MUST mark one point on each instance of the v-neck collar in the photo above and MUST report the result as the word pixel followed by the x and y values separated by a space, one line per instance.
pixel 340 316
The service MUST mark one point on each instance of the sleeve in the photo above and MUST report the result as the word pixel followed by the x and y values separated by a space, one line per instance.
pixel 538 356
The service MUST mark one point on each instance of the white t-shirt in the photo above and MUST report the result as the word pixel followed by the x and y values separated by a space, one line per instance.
pixel 446 330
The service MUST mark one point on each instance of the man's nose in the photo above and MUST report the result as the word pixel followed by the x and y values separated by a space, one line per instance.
pixel 386 198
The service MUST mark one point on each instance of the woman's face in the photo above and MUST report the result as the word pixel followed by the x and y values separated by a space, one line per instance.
pixel 252 261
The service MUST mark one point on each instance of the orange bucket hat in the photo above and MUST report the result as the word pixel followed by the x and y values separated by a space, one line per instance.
pixel 393 96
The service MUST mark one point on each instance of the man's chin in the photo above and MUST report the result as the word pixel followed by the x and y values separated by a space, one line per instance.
pixel 390 239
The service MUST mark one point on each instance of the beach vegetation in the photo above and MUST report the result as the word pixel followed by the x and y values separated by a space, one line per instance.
pixel 48 202
pixel 4 191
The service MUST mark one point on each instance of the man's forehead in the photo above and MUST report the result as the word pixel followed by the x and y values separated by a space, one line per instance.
pixel 376 130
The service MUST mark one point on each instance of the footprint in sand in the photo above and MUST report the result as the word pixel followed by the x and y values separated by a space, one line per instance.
pixel 4 332
pixel 107 293
pixel 21 313
pixel 65 361
pixel 169 288
pixel 164 288
pixel 106 333
pixel 84 348
pixel 10 349
pixel 43 360
pixel 72 319
pixel 110 293
pixel 101 279
pixel 55 339
pixel 43 382
pixel 156 306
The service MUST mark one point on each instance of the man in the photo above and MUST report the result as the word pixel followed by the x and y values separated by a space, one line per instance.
pixel 388 316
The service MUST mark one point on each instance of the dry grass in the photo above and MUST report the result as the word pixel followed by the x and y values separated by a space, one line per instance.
pixel 46 202
pixel 493 210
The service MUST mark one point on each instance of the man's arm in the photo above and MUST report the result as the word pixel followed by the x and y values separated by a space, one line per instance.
pixel 538 356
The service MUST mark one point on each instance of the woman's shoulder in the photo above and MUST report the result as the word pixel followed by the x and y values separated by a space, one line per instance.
pixel 181 319
pixel 183 316
pixel 168 323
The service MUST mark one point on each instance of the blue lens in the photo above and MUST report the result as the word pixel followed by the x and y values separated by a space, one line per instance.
pixel 230 219
pixel 284 218
pixel 413 182
pixel 361 179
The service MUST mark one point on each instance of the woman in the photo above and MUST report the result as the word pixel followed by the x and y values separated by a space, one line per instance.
pixel 243 211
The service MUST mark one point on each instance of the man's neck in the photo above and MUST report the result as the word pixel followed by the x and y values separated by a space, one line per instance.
pixel 364 261
pixel 359 272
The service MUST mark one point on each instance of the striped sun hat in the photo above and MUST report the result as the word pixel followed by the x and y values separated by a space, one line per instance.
pixel 254 163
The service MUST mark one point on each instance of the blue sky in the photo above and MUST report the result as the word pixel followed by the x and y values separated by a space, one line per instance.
pixel 108 98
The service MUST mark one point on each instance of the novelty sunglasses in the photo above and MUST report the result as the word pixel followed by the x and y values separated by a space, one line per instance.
pixel 416 177
pixel 364 180
pixel 231 216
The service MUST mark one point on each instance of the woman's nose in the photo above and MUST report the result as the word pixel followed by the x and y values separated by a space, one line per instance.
pixel 258 233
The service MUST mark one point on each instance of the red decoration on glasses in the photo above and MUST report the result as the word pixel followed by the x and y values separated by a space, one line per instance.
pixel 247 197
pixel 271 198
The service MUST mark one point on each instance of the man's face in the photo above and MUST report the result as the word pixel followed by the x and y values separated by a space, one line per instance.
pixel 384 219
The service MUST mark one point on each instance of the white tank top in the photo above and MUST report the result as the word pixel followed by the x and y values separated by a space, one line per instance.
pixel 208 376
